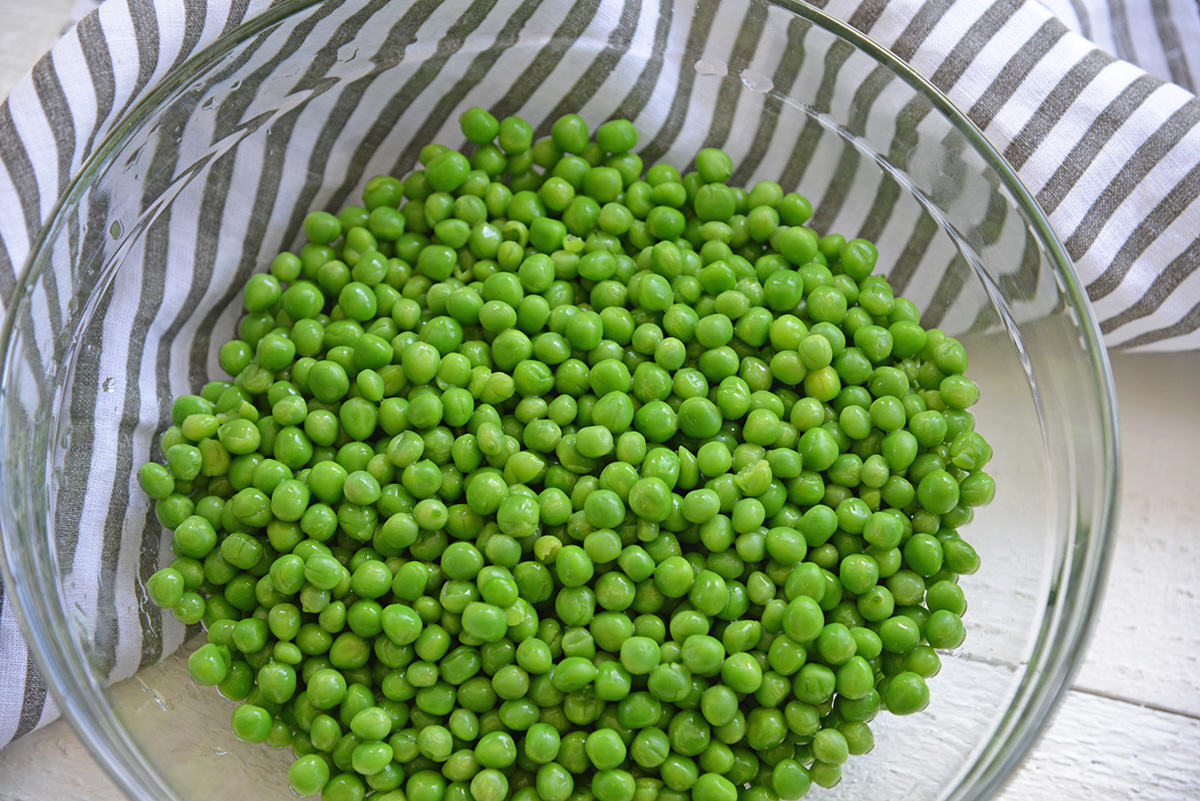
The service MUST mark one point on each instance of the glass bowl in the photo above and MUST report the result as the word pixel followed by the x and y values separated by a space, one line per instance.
pixel 136 281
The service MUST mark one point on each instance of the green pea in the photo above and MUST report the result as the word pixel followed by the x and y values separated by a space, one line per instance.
pixel 478 125
pixel 166 587
pixel 944 630
pixel 308 775
pixel 209 664
pixel 741 672
pixel 251 724
pixel 506 396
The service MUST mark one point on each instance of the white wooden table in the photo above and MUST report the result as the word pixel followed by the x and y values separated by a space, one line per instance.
pixel 1129 727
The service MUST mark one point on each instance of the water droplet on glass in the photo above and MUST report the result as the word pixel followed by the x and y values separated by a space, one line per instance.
pixel 708 67
pixel 158 699
pixel 115 229
pixel 757 82
pixel 107 385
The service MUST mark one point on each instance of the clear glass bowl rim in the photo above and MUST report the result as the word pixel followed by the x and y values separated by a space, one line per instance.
pixel 119 756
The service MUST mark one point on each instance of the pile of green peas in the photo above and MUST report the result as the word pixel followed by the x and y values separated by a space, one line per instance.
pixel 542 476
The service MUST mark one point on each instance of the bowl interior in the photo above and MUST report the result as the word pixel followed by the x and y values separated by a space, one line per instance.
pixel 137 283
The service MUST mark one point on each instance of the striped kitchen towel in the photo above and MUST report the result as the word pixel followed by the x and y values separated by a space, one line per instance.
pixel 1090 100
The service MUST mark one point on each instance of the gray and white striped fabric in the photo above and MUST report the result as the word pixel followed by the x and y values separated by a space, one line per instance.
pixel 1090 100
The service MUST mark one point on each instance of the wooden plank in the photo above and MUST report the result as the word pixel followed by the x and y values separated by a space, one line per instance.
pixel 52 763
pixel 29 30
pixel 1100 748
pixel 1146 644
